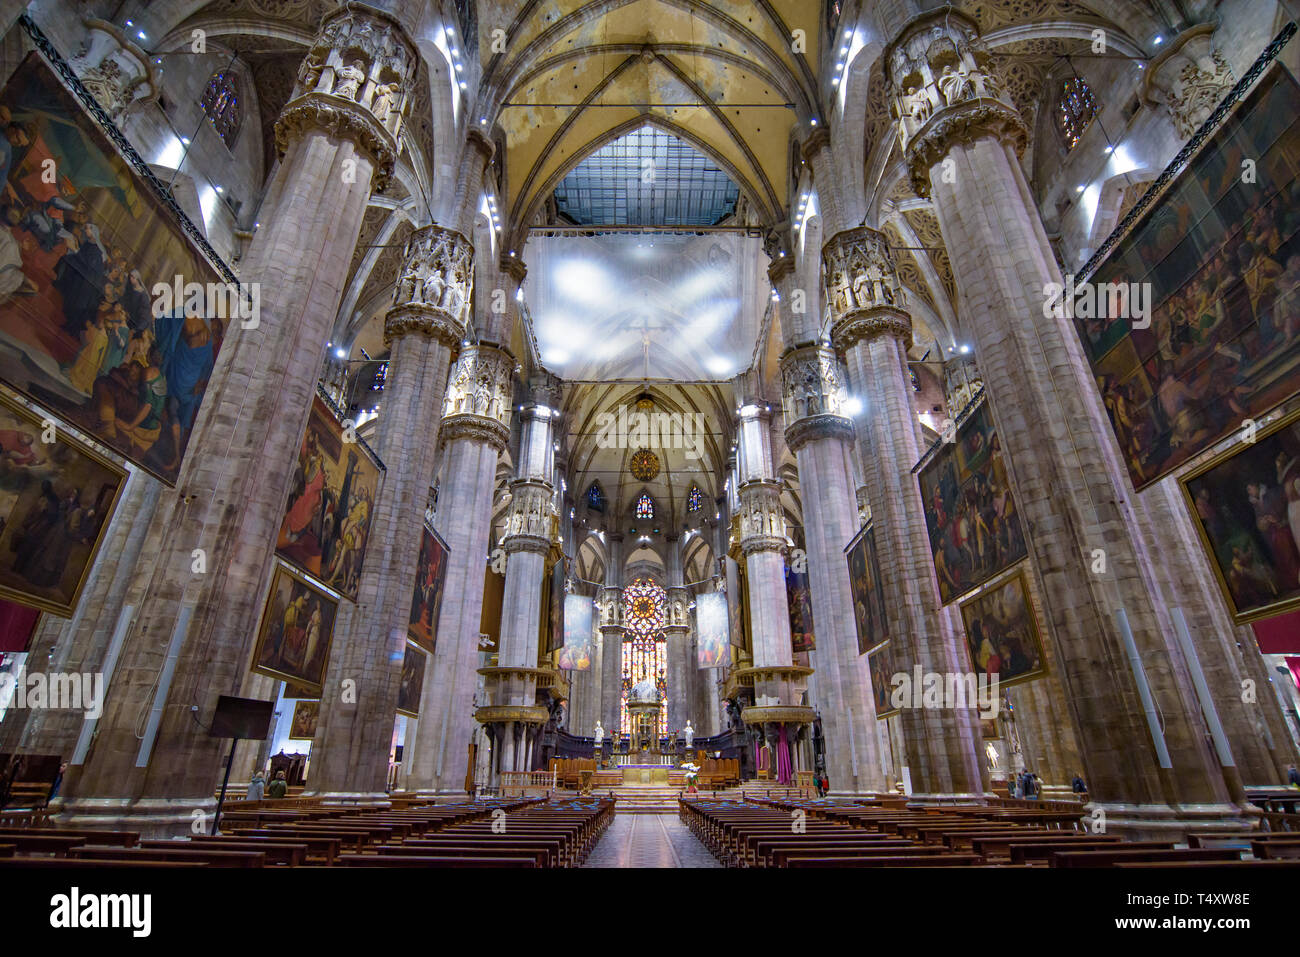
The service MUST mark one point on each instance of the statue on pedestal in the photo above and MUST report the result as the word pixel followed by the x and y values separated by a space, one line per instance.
pixel 689 734
pixel 598 734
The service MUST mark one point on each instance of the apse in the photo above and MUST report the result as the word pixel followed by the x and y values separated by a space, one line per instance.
pixel 642 306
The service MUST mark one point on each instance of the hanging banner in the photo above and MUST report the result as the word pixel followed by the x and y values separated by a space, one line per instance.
pixel 426 602
pixel 712 635
pixel 799 599
pixel 412 686
pixel 1215 262
pixel 577 650
pixel 553 602
pixel 868 594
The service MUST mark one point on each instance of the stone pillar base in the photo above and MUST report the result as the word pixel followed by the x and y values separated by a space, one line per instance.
pixel 155 819
pixel 1164 822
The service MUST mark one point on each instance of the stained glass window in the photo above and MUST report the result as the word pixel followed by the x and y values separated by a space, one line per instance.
pixel 645 506
pixel 596 498
pixel 644 465
pixel 694 499
pixel 1076 107
pixel 645 653
pixel 220 101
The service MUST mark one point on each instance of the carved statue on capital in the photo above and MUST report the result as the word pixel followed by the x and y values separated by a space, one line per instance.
pixel 858 271
pixel 1189 77
pixel 355 82
pixel 117 72
pixel 481 384
pixel 434 286
pixel 811 383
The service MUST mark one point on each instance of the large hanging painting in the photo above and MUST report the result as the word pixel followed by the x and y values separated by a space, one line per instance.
pixel 293 641
pixel 326 524
pixel 712 636
pixel 1002 633
pixel 971 515
pixel 56 500
pixel 426 602
pixel 868 593
pixel 799 599
pixel 880 661
pixel 412 684
pixel 489 621
pixel 578 638
pixel 86 252
pixel 1220 251
pixel 306 716
pixel 1247 506
pixel 553 595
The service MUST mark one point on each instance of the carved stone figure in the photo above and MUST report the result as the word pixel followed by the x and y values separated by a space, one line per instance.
pixel 350 79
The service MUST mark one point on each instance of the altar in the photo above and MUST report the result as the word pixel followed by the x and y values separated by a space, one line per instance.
pixel 647 774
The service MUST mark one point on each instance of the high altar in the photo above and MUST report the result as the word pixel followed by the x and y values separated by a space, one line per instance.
pixel 644 763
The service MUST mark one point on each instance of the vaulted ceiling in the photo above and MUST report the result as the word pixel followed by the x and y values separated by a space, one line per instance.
pixel 569 76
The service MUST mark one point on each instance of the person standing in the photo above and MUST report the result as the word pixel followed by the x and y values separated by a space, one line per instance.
pixel 278 788
pixel 256 787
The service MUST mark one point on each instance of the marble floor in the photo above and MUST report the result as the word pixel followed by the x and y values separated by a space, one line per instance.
pixel 649 840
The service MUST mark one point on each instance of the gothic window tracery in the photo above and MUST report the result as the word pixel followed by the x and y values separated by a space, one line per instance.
pixel 694 499
pixel 645 652
pixel 1076 108
pixel 595 497
pixel 220 103
pixel 645 506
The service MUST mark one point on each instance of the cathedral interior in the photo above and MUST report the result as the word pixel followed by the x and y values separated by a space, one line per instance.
pixel 640 422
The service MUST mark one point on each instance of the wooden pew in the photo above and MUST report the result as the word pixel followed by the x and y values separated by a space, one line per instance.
pixel 401 860
pixel 115 838
pixel 1108 857
pixel 212 858
pixel 934 860
pixel 290 855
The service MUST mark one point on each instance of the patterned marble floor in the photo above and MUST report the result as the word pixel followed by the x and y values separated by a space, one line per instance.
pixel 649 840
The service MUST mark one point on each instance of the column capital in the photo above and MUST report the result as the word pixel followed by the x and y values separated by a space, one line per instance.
pixel 531 522
pixel 816 427
pixel 481 142
pixel 1189 77
pixel 782 267
pixel 434 287
pixel 478 428
pixel 866 324
pixel 355 84
pixel 811 386
pixel 513 267
pixel 944 91
pixel 818 139
pixel 762 520
pixel 482 385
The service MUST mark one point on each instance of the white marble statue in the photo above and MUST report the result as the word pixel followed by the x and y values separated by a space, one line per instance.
pixel 689 734
pixel 598 734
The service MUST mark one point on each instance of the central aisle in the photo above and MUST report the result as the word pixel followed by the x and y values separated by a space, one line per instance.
pixel 649 840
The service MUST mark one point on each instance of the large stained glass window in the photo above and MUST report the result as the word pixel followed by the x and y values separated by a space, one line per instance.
pixel 694 499
pixel 645 506
pixel 645 652
pixel 1076 107
pixel 220 101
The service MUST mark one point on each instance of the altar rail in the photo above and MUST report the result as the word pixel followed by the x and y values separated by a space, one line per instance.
pixel 527 783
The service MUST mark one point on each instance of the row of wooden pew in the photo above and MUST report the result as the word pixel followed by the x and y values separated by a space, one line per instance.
pixel 528 833
pixel 805 834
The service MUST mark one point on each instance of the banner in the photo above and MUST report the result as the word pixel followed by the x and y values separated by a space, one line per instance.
pixel 868 594
pixel 799 599
pixel 712 635
pixel 426 601
pixel 578 641
pixel 412 686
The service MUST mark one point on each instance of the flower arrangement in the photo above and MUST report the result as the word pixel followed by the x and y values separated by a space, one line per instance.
pixel 692 773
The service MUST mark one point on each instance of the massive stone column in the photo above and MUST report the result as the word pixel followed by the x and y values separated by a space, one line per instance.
pixel 1144 748
pixel 215 534
pixel 821 438
pixel 612 635
pixel 423 327
pixel 943 744
pixel 677 639
pixel 512 714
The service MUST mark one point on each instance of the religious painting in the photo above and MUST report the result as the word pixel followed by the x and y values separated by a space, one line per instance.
pixel 880 662
pixel 489 621
pixel 868 592
pixel 426 601
pixel 412 684
pixel 799 599
pixel 56 500
pixel 293 641
pixel 553 593
pixel 326 524
pixel 108 316
pixel 712 636
pixel 975 531
pixel 306 715
pixel 1216 259
pixel 1002 633
pixel 578 638
pixel 738 606
pixel 1246 503
pixel 292 690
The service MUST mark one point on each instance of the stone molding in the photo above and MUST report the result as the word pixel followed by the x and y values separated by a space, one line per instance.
pixel 476 428
pixel 816 427
pixel 424 321
pixel 867 324
pixel 964 123
pixel 343 120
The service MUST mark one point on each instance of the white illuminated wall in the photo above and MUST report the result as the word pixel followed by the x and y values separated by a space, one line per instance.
pixel 632 306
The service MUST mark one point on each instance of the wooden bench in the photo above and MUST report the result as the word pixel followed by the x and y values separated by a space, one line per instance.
pixel 114 838
pixel 324 848
pixel 920 860
pixel 1040 852
pixel 63 863
pixel 213 858
pixel 403 860
pixel 290 855
pixel 1109 857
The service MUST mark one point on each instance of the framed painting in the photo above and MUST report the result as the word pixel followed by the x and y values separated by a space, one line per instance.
pixel 869 615
pixel 56 500
pixel 293 640
pixel 799 600
pixel 578 636
pixel 426 600
pixel 1002 633
pixel 109 316
pixel 1246 503
pixel 489 619
pixel 326 524
pixel 412 684
pixel 970 511
pixel 880 662
pixel 306 715
pixel 553 602
pixel 292 690
pixel 1216 256
pixel 712 634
